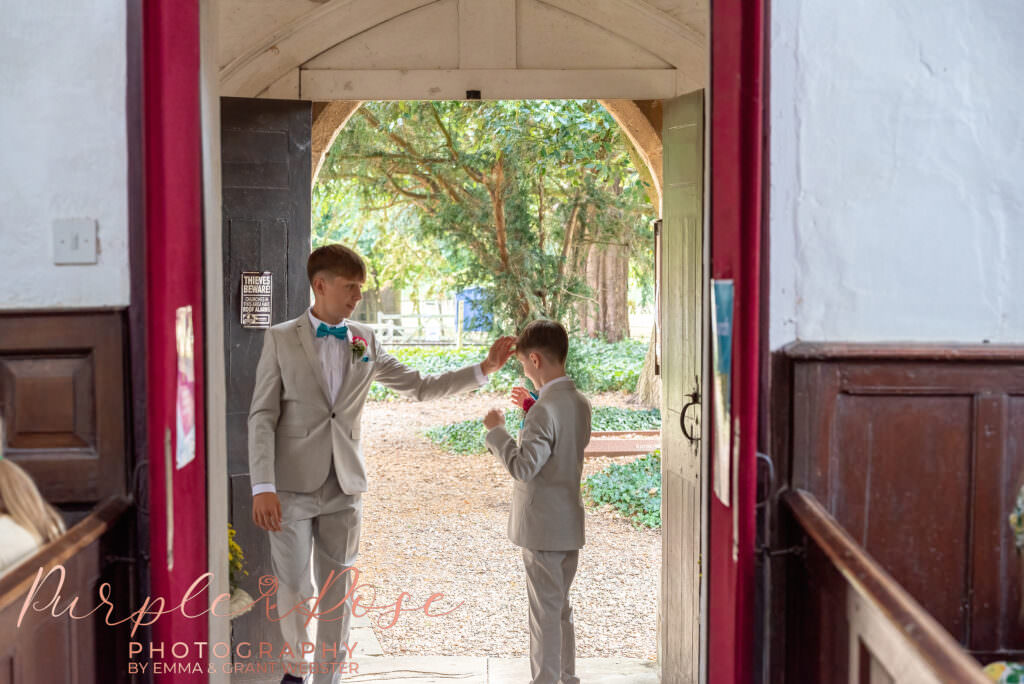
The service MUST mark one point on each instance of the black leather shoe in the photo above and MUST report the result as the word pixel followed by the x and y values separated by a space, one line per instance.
pixel 291 679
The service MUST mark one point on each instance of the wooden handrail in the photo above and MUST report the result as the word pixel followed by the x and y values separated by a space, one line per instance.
pixel 935 646
pixel 15 583
pixel 908 351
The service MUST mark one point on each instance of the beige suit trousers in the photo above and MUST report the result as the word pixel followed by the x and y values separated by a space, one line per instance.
pixel 323 524
pixel 549 575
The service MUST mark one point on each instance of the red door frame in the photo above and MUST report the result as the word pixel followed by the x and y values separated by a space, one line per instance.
pixel 174 278
pixel 173 195
pixel 737 105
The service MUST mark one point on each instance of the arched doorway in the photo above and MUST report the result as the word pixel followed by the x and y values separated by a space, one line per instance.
pixel 291 57
pixel 263 212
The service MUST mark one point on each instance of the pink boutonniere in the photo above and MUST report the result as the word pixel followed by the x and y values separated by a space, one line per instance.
pixel 359 349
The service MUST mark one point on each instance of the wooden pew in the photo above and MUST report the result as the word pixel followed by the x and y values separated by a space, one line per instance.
pixel 58 649
pixel 850 622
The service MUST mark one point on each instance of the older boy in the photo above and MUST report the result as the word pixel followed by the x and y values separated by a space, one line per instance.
pixel 305 456
pixel 546 519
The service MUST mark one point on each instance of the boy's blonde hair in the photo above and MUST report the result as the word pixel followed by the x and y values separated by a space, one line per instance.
pixel 20 498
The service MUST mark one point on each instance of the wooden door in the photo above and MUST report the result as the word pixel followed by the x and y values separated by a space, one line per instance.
pixel 681 310
pixel 266 168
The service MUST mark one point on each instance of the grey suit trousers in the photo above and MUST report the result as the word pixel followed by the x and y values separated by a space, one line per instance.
pixel 549 575
pixel 324 524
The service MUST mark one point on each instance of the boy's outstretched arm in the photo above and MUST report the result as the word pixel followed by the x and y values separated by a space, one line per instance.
pixel 409 382
pixel 524 460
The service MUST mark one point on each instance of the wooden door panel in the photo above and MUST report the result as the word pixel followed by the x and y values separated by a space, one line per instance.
pixel 904 463
pixel 920 461
pixel 266 227
pixel 681 295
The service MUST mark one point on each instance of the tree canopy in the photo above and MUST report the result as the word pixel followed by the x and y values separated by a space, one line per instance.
pixel 506 195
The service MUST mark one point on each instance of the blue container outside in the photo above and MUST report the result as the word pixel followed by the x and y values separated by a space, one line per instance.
pixel 473 316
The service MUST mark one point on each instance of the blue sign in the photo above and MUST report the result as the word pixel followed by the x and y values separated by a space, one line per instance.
pixel 722 292
pixel 721 362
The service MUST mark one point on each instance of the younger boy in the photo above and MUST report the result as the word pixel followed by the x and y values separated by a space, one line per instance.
pixel 547 508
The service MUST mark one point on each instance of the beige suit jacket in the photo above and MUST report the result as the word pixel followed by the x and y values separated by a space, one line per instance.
pixel 547 465
pixel 295 432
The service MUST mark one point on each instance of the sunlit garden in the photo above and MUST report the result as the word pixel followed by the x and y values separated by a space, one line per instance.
pixel 475 219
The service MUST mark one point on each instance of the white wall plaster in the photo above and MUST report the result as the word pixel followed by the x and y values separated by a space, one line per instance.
pixel 62 131
pixel 897 171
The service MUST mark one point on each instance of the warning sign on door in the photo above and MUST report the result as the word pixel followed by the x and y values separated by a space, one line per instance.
pixel 256 299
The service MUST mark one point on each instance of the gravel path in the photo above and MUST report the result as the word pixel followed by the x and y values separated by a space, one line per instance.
pixel 435 522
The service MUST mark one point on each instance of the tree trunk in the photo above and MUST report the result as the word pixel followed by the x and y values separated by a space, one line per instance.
pixel 607 312
pixel 648 386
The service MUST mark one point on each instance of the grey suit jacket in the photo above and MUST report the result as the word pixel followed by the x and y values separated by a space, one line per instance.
pixel 294 431
pixel 547 465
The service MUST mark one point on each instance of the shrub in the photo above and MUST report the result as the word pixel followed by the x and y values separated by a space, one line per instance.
pixel 633 489
pixel 467 436
pixel 605 418
pixel 593 364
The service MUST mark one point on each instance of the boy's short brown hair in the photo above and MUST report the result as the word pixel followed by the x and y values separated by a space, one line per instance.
pixel 546 337
pixel 337 260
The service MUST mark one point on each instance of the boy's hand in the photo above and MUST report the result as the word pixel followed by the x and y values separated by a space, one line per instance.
pixel 500 351
pixel 519 396
pixel 266 511
pixel 494 418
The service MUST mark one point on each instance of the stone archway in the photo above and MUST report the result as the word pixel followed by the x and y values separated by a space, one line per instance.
pixel 328 120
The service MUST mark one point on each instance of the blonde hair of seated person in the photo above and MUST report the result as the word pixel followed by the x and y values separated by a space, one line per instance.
pixel 20 498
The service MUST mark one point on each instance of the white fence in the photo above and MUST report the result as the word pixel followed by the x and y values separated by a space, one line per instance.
pixel 419 329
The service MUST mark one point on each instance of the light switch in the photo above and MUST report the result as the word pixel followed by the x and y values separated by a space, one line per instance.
pixel 74 241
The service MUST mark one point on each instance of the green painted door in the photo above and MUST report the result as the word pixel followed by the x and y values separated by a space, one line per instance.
pixel 680 304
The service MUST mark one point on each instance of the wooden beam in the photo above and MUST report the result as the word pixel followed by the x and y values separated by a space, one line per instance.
pixel 289 46
pixel 682 46
pixel 904 351
pixel 493 84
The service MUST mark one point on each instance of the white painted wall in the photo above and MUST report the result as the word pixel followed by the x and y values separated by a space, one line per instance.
pixel 63 142
pixel 897 171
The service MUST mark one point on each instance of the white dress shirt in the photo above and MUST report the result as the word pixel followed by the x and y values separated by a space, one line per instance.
pixel 331 350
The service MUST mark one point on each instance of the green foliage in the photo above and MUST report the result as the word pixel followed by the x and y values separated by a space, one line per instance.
pixel 633 489
pixel 606 418
pixel 599 366
pixel 593 364
pixel 467 436
pixel 504 195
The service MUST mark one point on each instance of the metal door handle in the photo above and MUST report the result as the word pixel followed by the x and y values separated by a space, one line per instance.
pixel 694 401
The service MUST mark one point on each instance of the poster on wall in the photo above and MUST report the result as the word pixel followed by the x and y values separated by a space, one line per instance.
pixel 721 360
pixel 257 299
pixel 185 403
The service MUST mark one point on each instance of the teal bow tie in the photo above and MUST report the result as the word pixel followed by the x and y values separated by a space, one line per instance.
pixel 341 331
